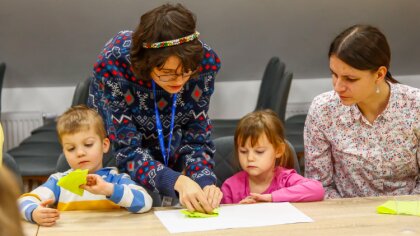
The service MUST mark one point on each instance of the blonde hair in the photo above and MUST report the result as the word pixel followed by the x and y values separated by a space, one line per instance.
pixel 260 122
pixel 10 222
pixel 80 118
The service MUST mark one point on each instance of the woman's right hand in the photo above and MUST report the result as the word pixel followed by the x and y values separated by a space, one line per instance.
pixel 191 195
pixel 45 216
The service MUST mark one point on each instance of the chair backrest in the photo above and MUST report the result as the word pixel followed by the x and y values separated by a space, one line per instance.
pixel 10 162
pixel 224 158
pixel 280 97
pixel 2 72
pixel 81 92
pixel 269 82
pixel 275 87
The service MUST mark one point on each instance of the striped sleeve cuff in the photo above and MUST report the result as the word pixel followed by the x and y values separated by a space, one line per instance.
pixel 27 208
pixel 118 193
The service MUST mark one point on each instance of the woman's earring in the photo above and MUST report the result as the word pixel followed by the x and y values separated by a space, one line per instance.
pixel 377 89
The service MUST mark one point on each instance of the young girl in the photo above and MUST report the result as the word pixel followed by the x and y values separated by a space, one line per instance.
pixel 268 174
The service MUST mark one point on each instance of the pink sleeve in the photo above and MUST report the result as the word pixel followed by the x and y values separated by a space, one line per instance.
pixel 296 188
pixel 227 194
pixel 234 189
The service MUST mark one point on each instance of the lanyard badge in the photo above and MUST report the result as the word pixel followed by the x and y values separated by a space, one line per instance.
pixel 166 151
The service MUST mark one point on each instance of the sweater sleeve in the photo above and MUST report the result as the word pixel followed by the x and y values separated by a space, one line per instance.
pixel 29 201
pixel 106 96
pixel 297 188
pixel 197 148
pixel 129 195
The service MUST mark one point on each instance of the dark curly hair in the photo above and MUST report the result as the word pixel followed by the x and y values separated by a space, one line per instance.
pixel 163 23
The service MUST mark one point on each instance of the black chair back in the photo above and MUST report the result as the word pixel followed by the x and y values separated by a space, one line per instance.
pixel 275 87
pixel 269 83
pixel 10 162
pixel 279 99
pixel 273 94
pixel 2 72
pixel 81 93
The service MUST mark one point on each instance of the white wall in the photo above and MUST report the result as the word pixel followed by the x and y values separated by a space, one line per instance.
pixel 235 99
pixel 49 100
pixel 231 100
pixel 51 43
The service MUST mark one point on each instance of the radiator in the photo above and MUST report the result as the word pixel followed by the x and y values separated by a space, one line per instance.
pixel 18 125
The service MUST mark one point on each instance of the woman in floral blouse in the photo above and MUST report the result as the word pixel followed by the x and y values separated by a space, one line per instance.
pixel 362 139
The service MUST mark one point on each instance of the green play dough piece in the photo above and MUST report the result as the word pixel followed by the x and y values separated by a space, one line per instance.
pixel 73 180
pixel 196 214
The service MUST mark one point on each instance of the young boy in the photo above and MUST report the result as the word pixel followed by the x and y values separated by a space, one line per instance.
pixel 82 135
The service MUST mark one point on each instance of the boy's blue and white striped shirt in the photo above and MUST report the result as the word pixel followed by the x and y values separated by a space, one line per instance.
pixel 126 194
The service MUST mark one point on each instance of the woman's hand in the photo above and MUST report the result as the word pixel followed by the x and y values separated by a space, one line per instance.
pixel 45 216
pixel 214 195
pixel 96 185
pixel 191 195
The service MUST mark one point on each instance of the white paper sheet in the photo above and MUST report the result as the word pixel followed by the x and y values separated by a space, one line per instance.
pixel 234 216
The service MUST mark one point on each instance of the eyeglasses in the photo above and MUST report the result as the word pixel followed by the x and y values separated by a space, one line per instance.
pixel 172 77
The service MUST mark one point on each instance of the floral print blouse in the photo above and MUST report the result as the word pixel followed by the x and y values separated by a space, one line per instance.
pixel 353 157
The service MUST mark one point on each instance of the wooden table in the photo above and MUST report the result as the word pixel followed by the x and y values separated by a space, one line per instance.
pixel 355 216
pixel 29 229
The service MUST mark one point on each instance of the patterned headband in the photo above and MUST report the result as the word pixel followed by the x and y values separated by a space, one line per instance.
pixel 173 42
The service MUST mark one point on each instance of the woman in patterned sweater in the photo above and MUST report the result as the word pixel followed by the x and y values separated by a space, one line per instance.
pixel 153 88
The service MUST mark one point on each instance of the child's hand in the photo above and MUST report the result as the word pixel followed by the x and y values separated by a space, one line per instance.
pixel 213 195
pixel 248 200
pixel 45 216
pixel 256 197
pixel 96 185
pixel 261 197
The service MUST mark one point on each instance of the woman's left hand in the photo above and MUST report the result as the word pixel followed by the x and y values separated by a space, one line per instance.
pixel 214 195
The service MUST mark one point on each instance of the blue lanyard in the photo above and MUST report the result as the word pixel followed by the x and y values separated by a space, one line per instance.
pixel 165 151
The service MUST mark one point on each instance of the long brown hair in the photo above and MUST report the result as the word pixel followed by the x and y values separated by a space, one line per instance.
pixel 10 221
pixel 260 122
pixel 363 47
pixel 163 23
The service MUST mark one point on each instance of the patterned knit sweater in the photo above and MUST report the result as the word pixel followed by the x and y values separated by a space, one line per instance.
pixel 127 106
